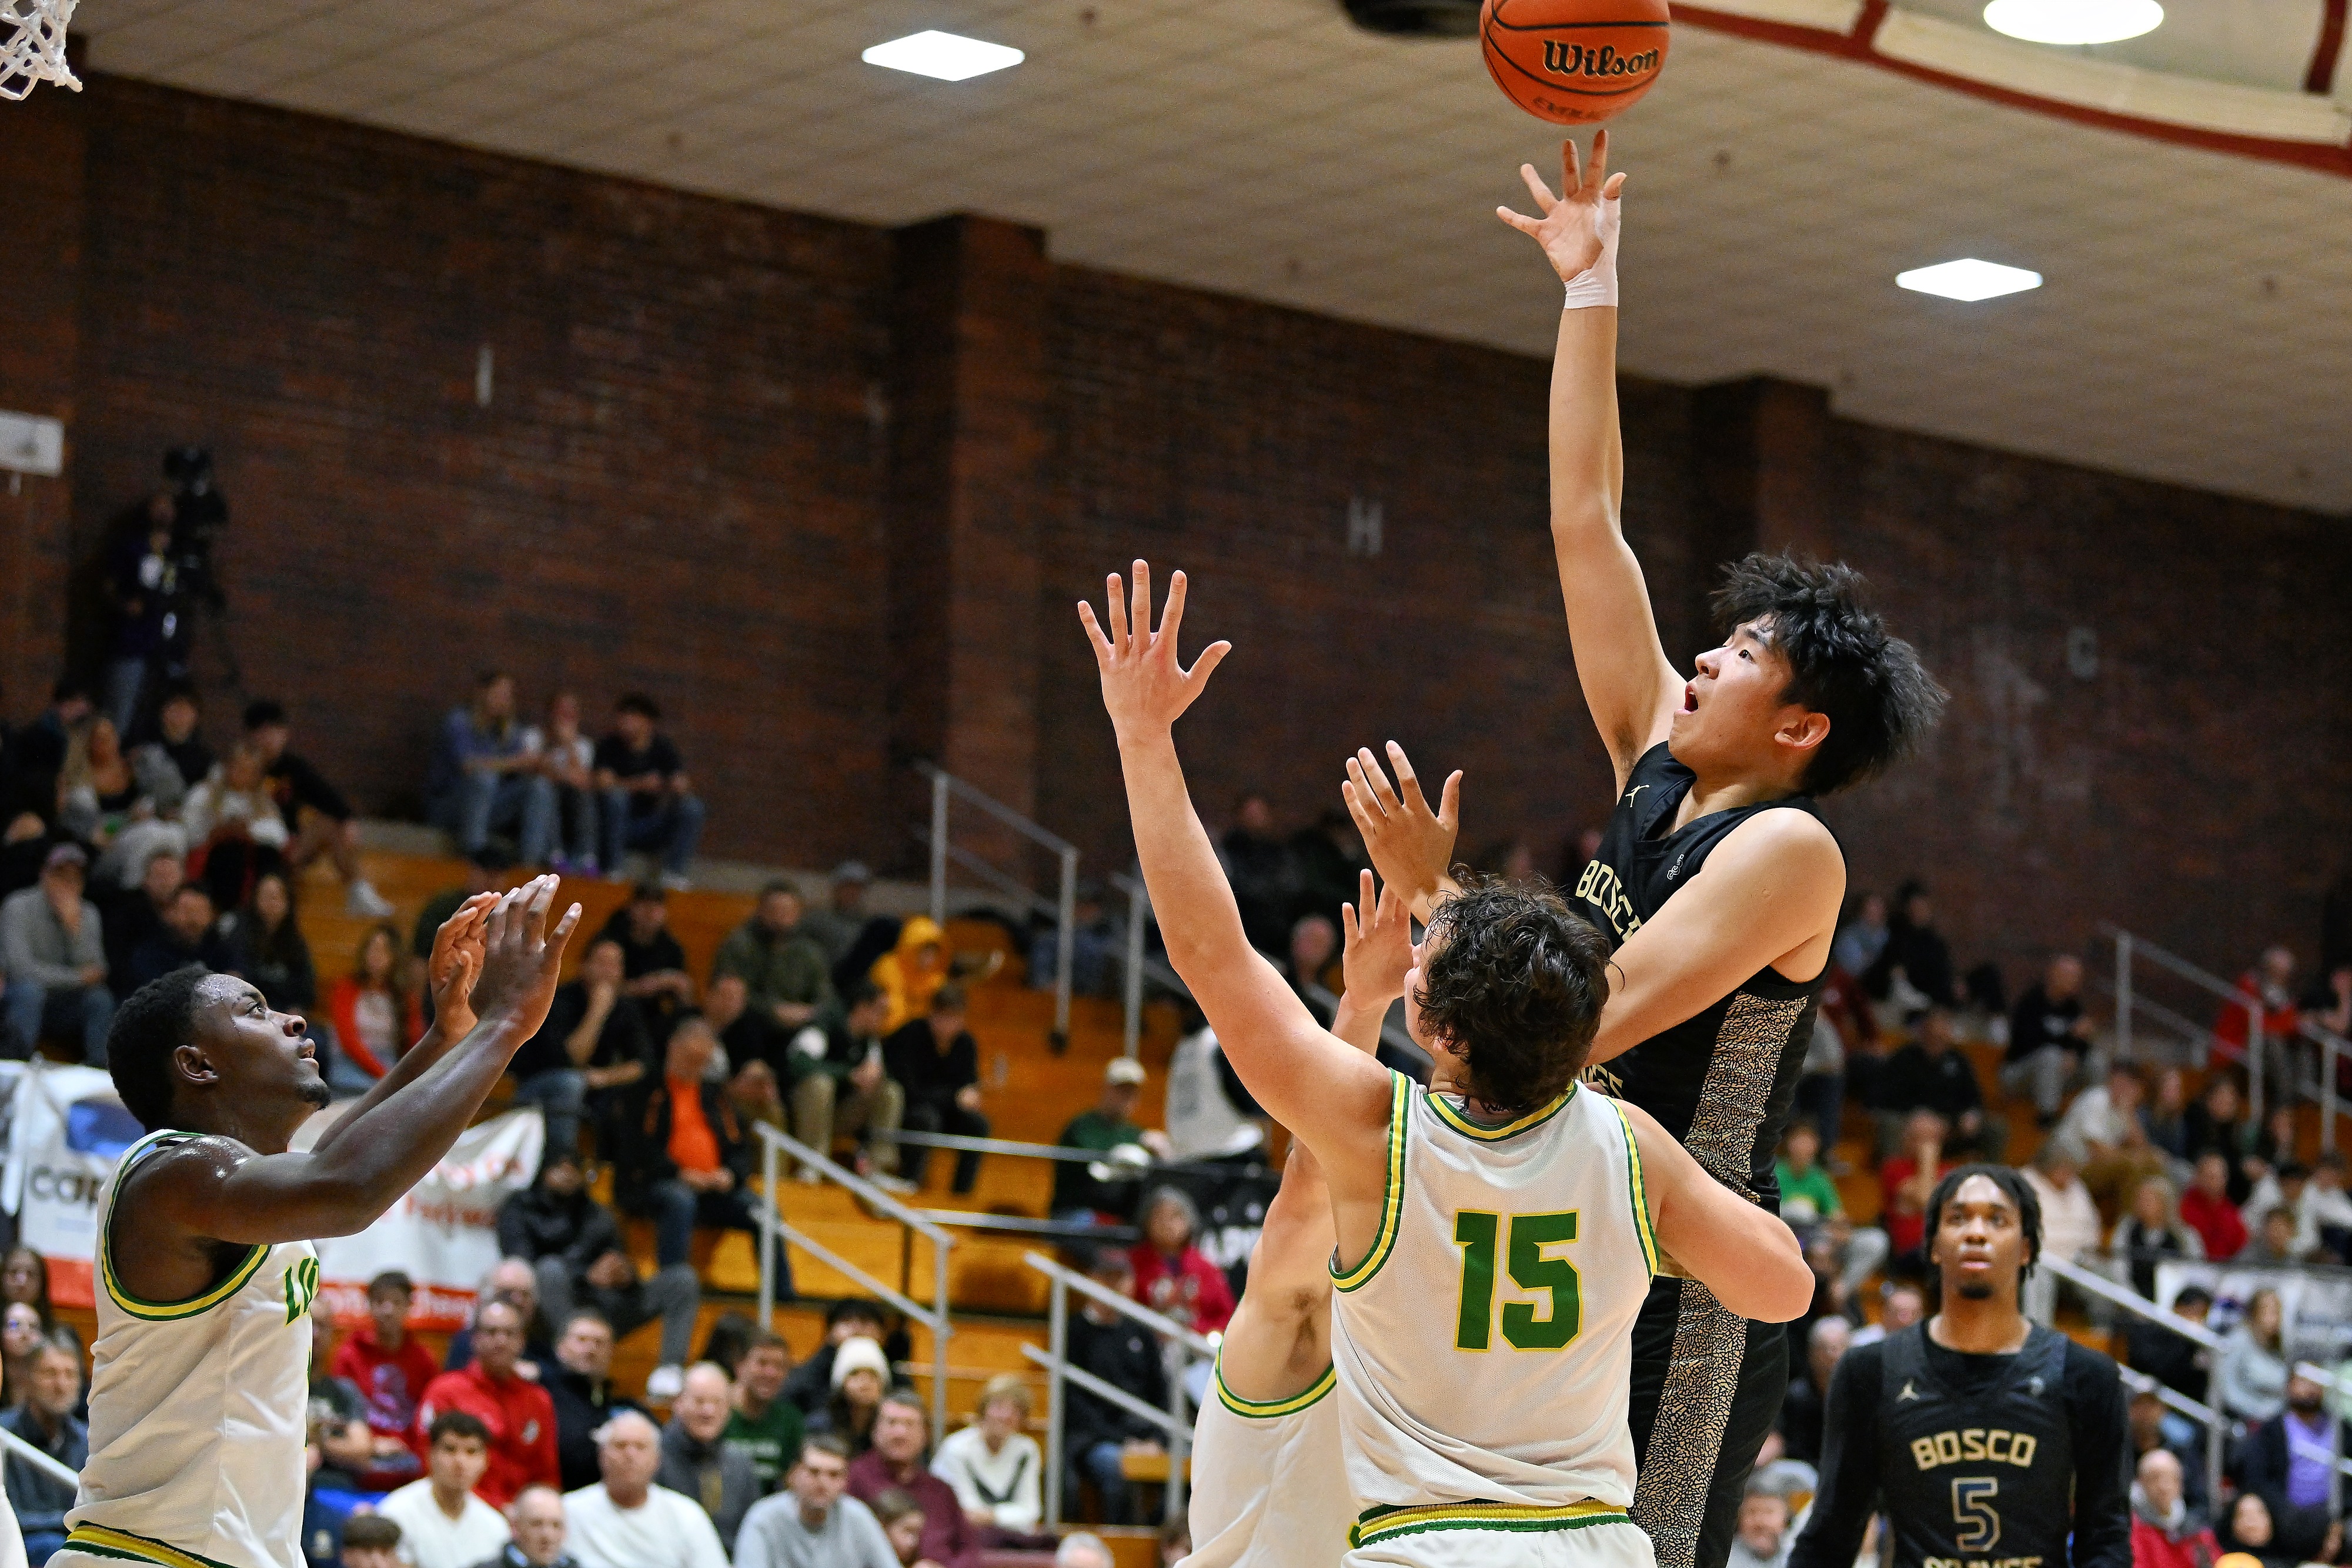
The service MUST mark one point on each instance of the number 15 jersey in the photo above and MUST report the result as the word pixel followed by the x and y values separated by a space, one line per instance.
pixel 1482 1346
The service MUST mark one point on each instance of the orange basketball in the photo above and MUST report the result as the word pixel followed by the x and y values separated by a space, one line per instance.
pixel 1574 62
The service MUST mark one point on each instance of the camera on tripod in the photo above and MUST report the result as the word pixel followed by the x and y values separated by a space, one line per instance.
pixel 199 515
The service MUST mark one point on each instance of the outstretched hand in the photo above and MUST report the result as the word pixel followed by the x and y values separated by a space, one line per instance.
pixel 457 963
pixel 1376 950
pixel 1579 225
pixel 522 957
pixel 1143 686
pixel 1411 847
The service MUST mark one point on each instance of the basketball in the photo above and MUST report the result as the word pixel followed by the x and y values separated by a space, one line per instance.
pixel 1574 62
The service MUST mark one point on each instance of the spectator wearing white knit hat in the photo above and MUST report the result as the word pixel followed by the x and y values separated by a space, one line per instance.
pixel 861 1376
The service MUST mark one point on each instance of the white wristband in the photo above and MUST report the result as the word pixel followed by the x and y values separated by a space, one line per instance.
pixel 1597 284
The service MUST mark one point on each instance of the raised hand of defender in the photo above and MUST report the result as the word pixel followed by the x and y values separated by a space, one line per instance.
pixel 1376 945
pixel 1143 686
pixel 522 957
pixel 1411 847
pixel 457 963
pixel 1581 222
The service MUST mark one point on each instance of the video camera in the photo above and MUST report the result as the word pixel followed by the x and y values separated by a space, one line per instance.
pixel 200 513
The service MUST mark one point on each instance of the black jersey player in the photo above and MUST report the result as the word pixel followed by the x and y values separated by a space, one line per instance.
pixel 1987 1441
pixel 1716 883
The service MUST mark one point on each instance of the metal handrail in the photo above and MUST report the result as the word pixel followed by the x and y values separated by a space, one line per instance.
pixel 1139 965
pixel 773 1144
pixel 1055 1359
pixel 946 788
pixel 2129 948
pixel 1060 1153
pixel 49 1465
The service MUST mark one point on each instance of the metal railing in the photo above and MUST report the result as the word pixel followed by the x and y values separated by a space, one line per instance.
pixel 1176 1420
pixel 1141 965
pixel 55 1469
pixel 774 1143
pixel 2133 951
pixel 2216 1423
pixel 947 789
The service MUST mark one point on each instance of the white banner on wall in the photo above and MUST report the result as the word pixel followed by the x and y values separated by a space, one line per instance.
pixel 2316 1304
pixel 66 1130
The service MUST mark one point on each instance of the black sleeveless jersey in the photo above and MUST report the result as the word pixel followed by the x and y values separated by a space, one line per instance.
pixel 1978 1477
pixel 1721 1081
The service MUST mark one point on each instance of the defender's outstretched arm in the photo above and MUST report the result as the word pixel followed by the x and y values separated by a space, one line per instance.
pixel 1332 1097
pixel 1747 1255
pixel 1628 684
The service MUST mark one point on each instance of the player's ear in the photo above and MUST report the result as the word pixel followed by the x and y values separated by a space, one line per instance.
pixel 1805 732
pixel 192 1063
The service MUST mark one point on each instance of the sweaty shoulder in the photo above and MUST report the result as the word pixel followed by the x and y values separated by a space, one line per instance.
pixel 1793 836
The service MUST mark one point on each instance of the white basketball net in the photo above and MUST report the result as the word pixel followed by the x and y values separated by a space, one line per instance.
pixel 33 46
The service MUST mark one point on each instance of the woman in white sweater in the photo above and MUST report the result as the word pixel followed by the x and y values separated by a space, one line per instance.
pixel 993 1465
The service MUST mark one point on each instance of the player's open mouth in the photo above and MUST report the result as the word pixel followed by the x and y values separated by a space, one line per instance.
pixel 1690 698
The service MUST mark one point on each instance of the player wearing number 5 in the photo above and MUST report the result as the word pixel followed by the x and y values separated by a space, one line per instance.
pixel 1987 1440
pixel 1496 1234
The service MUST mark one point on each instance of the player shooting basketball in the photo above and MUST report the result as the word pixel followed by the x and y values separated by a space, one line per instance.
pixel 202 1356
pixel 1494 1433
pixel 1716 883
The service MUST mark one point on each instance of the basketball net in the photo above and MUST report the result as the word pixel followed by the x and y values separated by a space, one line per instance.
pixel 33 46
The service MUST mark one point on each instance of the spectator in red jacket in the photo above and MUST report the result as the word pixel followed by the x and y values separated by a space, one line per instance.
pixel 2206 1209
pixel 392 1370
pixel 1171 1275
pixel 902 1430
pixel 2165 1534
pixel 2268 987
pixel 520 1415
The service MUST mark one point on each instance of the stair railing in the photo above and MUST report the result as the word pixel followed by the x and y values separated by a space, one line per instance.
pixel 1176 1420
pixel 775 1143
pixel 56 1469
pixel 2133 951
pixel 946 790
pixel 1141 967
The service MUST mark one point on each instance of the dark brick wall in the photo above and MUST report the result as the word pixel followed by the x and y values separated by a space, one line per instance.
pixel 676 485
pixel 782 471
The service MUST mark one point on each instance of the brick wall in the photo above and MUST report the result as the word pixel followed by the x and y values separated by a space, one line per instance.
pixel 677 485
pixel 783 472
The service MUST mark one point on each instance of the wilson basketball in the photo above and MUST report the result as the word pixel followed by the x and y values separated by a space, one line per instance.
pixel 1574 62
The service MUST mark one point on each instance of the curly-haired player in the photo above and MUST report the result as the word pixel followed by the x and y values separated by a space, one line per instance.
pixel 1496 1234
pixel 202 1356
pixel 1716 884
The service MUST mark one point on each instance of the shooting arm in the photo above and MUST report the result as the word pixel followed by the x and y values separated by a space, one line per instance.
pixel 1768 896
pixel 451 968
pixel 1744 1253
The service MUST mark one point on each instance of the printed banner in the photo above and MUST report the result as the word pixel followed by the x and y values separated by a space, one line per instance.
pixel 444 1234
pixel 66 1129
pixel 2316 1324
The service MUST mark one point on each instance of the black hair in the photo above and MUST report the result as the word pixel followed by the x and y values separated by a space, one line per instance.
pixel 775 885
pixel 66 689
pixel 1842 661
pixel 179 692
pixel 1516 978
pixel 263 712
pixel 2013 1187
pixel 158 1018
pixel 859 1307
pixel 947 999
pixel 863 994
pixel 457 1424
pixel 640 703
pixel 2191 1296
pixel 391 1282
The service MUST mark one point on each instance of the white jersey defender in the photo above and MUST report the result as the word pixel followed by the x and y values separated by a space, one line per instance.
pixel 196 1413
pixel 1482 1345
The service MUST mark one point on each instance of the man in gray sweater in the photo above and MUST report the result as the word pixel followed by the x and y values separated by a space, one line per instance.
pixel 54 954
pixel 811 1524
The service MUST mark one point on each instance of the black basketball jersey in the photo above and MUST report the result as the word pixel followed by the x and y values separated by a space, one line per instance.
pixel 1721 1081
pixel 1981 1478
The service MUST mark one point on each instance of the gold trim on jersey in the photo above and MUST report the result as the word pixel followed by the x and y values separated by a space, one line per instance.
pixel 1640 1190
pixel 1383 1523
pixel 1266 1410
pixel 164 1312
pixel 98 1541
pixel 1393 1201
pixel 1462 1125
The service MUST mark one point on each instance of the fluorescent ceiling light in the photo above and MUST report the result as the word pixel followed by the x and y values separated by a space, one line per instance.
pixel 2074 21
pixel 1968 278
pixel 942 55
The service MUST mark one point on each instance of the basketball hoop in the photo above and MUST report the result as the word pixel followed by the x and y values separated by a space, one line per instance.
pixel 33 46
